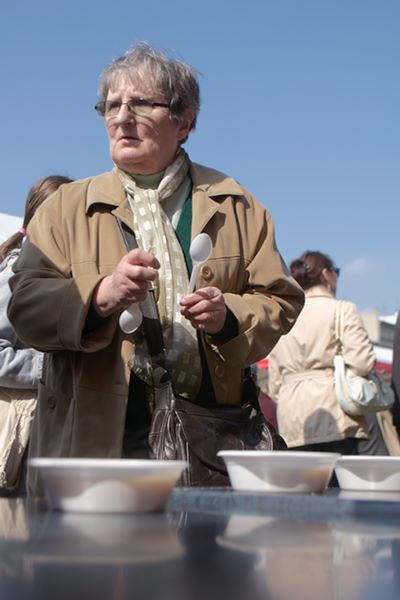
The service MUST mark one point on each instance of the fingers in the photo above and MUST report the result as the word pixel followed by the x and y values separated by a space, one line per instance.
pixel 138 256
pixel 205 309
pixel 134 275
pixel 130 282
pixel 210 294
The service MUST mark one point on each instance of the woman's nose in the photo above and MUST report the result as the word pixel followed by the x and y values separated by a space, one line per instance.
pixel 124 114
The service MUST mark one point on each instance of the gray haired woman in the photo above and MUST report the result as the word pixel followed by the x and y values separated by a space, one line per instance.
pixel 75 277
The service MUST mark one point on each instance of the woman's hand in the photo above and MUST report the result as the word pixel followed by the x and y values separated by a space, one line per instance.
pixel 205 309
pixel 129 283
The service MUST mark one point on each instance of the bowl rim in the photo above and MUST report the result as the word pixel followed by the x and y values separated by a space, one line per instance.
pixel 140 464
pixel 278 454
pixel 372 460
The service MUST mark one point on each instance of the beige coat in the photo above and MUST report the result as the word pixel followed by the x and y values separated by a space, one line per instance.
pixel 301 376
pixel 74 242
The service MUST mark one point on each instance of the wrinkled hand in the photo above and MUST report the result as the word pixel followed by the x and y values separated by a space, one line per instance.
pixel 205 309
pixel 129 283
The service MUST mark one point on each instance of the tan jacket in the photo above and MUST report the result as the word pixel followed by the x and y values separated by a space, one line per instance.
pixel 74 242
pixel 301 376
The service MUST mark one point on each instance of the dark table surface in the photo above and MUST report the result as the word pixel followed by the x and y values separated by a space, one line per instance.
pixel 209 544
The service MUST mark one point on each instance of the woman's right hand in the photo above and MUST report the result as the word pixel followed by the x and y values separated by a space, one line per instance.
pixel 129 283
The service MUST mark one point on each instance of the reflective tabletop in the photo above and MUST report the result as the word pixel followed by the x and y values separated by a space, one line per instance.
pixel 205 551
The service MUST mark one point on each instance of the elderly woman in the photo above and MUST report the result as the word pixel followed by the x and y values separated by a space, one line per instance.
pixel 75 277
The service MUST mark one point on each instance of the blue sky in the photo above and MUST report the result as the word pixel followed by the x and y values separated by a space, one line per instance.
pixel 300 103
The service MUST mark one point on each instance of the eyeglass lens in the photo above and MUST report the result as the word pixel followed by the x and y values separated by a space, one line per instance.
pixel 136 106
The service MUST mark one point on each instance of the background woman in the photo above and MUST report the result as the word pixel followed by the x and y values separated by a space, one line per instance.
pixel 20 366
pixel 301 378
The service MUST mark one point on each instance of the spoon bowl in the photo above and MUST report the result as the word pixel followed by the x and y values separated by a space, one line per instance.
pixel 200 250
pixel 131 319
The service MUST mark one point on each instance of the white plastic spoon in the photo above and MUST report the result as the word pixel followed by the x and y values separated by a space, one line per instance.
pixel 131 319
pixel 200 250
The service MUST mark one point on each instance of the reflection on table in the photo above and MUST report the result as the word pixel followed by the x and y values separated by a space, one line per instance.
pixel 346 560
pixel 187 555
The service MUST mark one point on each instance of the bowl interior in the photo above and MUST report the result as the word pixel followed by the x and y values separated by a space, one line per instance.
pixel 391 463
pixel 280 459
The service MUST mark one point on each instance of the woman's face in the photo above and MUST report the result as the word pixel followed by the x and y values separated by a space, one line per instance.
pixel 143 144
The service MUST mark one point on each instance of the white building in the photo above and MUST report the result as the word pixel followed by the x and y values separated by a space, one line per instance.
pixel 9 224
pixel 381 333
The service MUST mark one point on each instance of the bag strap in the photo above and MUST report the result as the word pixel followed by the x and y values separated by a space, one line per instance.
pixel 151 320
pixel 339 326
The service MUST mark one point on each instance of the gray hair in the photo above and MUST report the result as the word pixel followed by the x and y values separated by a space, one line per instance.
pixel 175 80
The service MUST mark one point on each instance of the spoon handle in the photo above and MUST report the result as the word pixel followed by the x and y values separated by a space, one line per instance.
pixel 192 281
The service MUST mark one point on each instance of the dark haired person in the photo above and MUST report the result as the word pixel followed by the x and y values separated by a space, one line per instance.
pixel 396 374
pixel 20 366
pixel 301 377
pixel 93 398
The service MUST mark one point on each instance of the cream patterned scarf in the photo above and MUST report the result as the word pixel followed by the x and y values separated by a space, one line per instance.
pixel 155 233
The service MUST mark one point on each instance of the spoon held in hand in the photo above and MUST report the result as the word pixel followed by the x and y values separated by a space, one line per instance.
pixel 200 250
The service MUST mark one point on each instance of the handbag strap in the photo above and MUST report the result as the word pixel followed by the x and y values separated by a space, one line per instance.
pixel 151 320
pixel 339 326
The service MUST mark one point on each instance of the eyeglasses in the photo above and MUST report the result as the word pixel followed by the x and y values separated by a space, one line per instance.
pixel 336 270
pixel 137 106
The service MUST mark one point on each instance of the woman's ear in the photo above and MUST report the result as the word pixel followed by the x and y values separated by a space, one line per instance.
pixel 325 275
pixel 185 124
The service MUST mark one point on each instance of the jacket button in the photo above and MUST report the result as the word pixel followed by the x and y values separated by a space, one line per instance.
pixel 206 273
pixel 219 371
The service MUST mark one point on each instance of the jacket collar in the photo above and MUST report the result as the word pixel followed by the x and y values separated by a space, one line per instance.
pixel 105 189
pixel 213 183
pixel 318 290
pixel 208 186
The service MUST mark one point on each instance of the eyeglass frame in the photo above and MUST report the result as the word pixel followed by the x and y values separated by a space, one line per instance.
pixel 101 105
pixel 335 270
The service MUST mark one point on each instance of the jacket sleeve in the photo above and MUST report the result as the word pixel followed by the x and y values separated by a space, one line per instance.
pixel 20 367
pixel 50 304
pixel 270 302
pixel 358 352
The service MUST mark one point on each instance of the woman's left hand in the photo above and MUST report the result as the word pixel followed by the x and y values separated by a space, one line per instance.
pixel 205 309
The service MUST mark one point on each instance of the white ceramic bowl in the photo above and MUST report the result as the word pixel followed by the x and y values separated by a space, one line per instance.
pixel 107 485
pixel 369 473
pixel 279 471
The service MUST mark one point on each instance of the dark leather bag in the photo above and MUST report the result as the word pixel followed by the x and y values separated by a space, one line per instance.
pixel 183 430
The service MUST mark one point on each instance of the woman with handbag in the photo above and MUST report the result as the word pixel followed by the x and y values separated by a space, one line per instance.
pixel 20 366
pixel 76 276
pixel 301 367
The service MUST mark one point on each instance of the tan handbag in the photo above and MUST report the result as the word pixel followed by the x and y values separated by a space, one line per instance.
pixel 16 413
